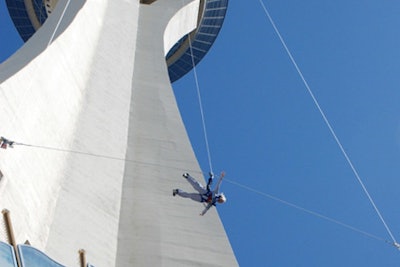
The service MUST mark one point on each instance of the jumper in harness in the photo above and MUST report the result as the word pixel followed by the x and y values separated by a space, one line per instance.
pixel 205 194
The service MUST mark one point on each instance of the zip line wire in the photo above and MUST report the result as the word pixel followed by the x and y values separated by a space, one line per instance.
pixel 316 214
pixel 101 156
pixel 310 212
pixel 327 121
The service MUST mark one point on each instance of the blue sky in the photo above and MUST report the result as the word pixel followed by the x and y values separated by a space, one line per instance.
pixel 265 131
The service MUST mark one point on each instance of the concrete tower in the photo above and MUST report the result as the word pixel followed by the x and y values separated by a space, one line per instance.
pixel 103 144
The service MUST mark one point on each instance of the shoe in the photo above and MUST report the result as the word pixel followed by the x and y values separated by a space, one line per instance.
pixel 186 175
pixel 175 191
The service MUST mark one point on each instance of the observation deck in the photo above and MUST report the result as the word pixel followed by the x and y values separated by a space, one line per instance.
pixel 29 15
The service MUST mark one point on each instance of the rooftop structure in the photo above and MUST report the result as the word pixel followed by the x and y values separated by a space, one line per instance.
pixel 29 15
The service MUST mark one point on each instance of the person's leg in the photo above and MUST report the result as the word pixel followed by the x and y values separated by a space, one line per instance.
pixel 196 185
pixel 193 196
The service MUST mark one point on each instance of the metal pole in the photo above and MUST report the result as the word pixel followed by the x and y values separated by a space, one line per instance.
pixel 82 257
pixel 10 234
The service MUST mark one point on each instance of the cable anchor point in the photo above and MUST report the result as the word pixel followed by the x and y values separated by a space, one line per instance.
pixel 396 245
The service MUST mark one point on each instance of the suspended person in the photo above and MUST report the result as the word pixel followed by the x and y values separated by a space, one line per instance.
pixel 4 143
pixel 205 194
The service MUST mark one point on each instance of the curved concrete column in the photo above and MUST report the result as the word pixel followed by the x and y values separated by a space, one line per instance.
pixel 108 142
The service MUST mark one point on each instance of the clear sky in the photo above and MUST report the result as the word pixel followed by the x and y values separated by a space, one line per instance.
pixel 268 135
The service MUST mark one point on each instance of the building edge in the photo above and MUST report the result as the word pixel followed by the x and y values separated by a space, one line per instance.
pixel 68 97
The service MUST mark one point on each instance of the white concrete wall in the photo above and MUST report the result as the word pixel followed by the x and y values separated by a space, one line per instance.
pixel 72 96
pixel 183 21
pixel 102 89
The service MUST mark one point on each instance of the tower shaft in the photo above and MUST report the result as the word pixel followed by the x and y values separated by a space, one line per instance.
pixel 106 140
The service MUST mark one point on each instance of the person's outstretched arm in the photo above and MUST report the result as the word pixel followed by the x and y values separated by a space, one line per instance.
pixel 222 175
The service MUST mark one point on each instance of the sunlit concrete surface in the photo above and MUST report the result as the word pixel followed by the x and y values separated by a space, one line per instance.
pixel 106 141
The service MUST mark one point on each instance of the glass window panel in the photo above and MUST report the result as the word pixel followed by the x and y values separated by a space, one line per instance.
pixel 32 257
pixel 7 257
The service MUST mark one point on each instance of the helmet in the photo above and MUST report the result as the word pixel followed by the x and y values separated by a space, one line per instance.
pixel 221 198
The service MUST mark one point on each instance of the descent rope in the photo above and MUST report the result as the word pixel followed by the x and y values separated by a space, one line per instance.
pixel 201 105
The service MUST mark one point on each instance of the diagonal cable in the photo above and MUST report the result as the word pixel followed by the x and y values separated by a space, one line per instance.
pixel 327 122
pixel 316 214
pixel 58 23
